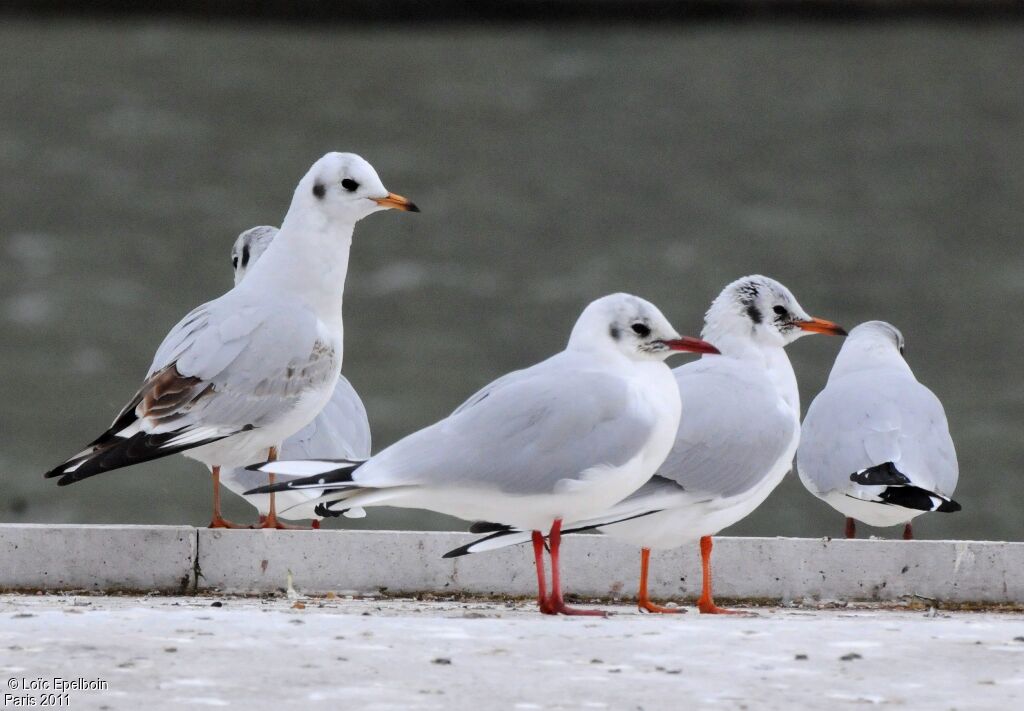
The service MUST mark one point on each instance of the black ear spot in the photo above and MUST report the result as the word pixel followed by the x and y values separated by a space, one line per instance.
pixel 641 329
pixel 350 185
pixel 245 256
pixel 614 333
pixel 754 313
pixel 319 190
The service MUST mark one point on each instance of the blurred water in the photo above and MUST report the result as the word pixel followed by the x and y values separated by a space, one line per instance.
pixel 878 170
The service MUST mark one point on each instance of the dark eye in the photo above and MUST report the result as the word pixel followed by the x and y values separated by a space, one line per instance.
pixel 350 185
pixel 641 330
pixel 234 262
pixel 781 310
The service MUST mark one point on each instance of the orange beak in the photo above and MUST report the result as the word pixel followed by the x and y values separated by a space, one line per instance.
pixel 690 345
pixel 397 202
pixel 820 325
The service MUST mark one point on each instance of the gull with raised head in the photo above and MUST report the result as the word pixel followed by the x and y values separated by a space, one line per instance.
pixel 559 441
pixel 735 441
pixel 876 444
pixel 341 430
pixel 249 369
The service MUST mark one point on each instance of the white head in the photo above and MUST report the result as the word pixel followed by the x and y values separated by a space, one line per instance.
pixel 873 344
pixel 763 311
pixel 631 326
pixel 345 188
pixel 249 247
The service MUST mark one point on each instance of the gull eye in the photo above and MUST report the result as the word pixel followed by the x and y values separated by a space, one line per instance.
pixel 350 185
pixel 781 311
pixel 234 262
pixel 641 330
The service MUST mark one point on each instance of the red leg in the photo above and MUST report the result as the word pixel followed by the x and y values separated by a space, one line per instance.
pixel 851 528
pixel 219 521
pixel 706 603
pixel 555 601
pixel 315 525
pixel 643 601
pixel 538 557
pixel 271 520
pixel 908 532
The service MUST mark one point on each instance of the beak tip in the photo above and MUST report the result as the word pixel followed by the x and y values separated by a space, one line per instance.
pixel 412 207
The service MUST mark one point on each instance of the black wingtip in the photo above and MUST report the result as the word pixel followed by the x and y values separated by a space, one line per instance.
pixel 459 552
pixel 949 507
pixel 267 489
pixel 884 474
pixel 488 527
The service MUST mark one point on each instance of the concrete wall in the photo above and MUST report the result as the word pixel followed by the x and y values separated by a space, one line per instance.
pixel 176 559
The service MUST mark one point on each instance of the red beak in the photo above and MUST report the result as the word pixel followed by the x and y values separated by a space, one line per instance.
pixel 690 345
pixel 820 325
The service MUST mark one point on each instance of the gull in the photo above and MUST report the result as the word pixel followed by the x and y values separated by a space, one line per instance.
pixel 876 444
pixel 249 369
pixel 561 440
pixel 340 430
pixel 735 441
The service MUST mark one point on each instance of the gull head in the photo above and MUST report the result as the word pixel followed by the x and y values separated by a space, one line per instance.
pixel 344 187
pixel 878 335
pixel 249 247
pixel 881 334
pixel 872 344
pixel 763 310
pixel 633 327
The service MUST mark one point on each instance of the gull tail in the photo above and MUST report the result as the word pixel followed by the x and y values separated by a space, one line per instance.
pixel 505 536
pixel 899 490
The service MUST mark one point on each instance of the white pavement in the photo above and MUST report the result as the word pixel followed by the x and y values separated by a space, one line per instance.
pixel 189 652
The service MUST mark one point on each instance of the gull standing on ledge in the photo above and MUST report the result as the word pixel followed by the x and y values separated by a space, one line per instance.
pixel 245 371
pixel 561 440
pixel 876 444
pixel 735 442
pixel 341 430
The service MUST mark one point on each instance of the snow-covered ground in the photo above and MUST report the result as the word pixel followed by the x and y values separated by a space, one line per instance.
pixel 193 652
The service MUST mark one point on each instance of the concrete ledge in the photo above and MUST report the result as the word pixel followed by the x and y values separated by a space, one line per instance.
pixel 99 558
pixel 172 559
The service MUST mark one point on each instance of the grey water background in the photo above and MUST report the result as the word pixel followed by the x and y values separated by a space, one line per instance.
pixel 877 169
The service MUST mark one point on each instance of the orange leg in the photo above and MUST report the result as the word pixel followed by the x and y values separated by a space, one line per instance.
pixel 538 559
pixel 706 603
pixel 271 520
pixel 908 532
pixel 643 601
pixel 219 521
pixel 555 601
pixel 851 528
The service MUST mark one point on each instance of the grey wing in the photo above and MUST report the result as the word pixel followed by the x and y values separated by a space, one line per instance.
pixel 225 368
pixel 533 435
pixel 251 364
pixel 485 392
pixel 340 431
pixel 872 418
pixel 732 431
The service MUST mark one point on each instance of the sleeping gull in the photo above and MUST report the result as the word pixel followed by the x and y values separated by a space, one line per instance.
pixel 245 371
pixel 340 430
pixel 876 445
pixel 561 440
pixel 736 438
